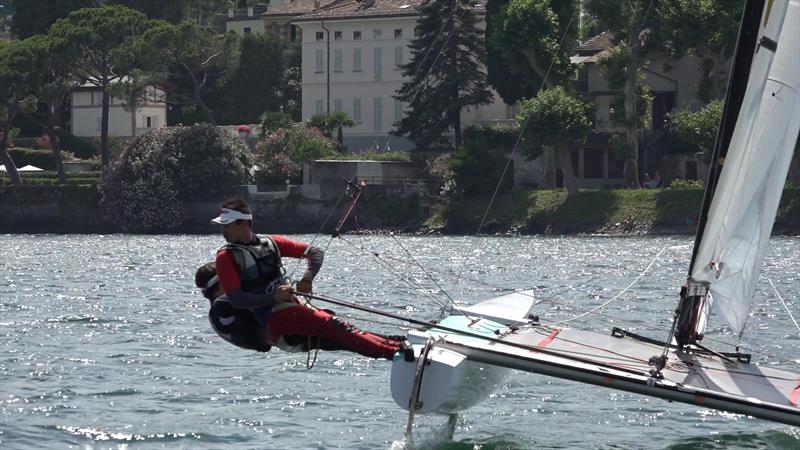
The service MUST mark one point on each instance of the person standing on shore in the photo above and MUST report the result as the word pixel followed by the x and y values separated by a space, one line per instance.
pixel 251 275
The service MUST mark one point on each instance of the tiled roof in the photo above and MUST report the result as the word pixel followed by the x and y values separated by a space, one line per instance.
pixel 602 41
pixel 379 8
pixel 344 9
pixel 299 7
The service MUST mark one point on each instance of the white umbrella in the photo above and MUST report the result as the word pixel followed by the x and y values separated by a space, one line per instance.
pixel 29 168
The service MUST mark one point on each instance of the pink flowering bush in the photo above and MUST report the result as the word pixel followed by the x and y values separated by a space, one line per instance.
pixel 160 170
pixel 281 155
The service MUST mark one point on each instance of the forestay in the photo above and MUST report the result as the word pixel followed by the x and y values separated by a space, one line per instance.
pixel 745 203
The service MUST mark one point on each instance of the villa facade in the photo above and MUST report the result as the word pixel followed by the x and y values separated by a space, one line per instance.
pixel 87 104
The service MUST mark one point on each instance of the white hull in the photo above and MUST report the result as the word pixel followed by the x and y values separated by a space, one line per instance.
pixel 449 382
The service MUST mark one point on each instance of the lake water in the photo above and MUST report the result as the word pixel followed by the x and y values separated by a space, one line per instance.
pixel 104 343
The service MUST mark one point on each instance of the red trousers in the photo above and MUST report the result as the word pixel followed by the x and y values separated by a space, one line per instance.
pixel 305 321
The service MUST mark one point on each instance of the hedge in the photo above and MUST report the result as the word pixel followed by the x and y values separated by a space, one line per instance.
pixel 42 159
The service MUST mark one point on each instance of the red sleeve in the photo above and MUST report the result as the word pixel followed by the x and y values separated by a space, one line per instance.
pixel 289 248
pixel 228 272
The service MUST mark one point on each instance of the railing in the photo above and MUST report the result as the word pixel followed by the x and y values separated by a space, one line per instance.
pixel 391 181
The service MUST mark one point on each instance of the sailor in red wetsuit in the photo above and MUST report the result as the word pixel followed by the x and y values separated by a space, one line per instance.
pixel 250 274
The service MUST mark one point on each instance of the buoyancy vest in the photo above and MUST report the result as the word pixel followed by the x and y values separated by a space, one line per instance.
pixel 237 326
pixel 259 263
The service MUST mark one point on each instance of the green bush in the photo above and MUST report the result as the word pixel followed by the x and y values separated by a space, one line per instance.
pixel 42 159
pixel 679 183
pixel 498 137
pixel 282 153
pixel 477 169
pixel 159 170
pixel 371 155
pixel 274 120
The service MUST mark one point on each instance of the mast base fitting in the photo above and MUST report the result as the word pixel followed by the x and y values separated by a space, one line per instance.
pixel 658 363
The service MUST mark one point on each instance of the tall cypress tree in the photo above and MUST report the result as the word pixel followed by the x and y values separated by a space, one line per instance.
pixel 446 73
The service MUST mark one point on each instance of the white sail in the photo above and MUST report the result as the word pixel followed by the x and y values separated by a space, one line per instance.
pixel 746 199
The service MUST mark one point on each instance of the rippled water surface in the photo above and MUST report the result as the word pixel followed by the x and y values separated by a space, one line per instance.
pixel 104 343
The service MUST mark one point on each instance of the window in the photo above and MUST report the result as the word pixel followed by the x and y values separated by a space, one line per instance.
pixel 357 109
pixel 356 60
pixel 319 35
pixel 292 33
pixel 398 56
pixel 378 64
pixel 377 114
pixel 337 60
pixel 319 61
pixel 337 35
pixel 337 105
pixel 247 30
pixel 318 106
pixel 356 35
pixel 398 33
pixel 377 33
pixel 398 110
pixel 148 121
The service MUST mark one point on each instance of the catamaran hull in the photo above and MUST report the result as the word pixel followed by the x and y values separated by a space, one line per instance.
pixel 448 383
pixel 445 381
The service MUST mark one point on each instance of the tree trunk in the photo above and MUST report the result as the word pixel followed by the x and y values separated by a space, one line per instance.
pixel 104 154
pixel 550 165
pixel 133 118
pixel 455 112
pixel 537 69
pixel 55 146
pixel 631 110
pixel 196 93
pixel 565 164
pixel 11 168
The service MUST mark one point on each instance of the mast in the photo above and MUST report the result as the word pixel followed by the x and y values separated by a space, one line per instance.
pixel 747 170
pixel 737 83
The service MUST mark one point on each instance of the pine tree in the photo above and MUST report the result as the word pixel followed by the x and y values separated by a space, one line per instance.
pixel 446 73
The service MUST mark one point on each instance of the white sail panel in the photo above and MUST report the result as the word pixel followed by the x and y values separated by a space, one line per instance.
pixel 746 199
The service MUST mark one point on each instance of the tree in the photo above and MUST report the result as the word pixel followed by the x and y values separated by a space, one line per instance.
pixel 698 129
pixel 255 86
pixel 555 118
pixel 14 71
pixel 330 122
pixel 529 43
pixel 445 74
pixel 707 29
pixel 104 44
pixel 50 79
pixel 634 24
pixel 291 82
pixel 197 53
pixel 32 17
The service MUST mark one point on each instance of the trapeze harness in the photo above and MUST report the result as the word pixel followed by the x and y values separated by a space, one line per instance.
pixel 260 270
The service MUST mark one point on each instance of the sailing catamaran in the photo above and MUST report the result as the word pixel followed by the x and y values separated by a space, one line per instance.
pixel 461 359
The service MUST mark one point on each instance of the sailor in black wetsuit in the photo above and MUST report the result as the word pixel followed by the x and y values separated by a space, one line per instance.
pixel 240 327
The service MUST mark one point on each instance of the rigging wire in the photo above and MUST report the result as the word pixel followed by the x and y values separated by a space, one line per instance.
pixel 521 132
pixel 319 231
pixel 616 297
pixel 783 303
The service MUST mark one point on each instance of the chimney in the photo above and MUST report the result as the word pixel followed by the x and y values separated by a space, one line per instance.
pixel 231 13
pixel 316 5
pixel 249 11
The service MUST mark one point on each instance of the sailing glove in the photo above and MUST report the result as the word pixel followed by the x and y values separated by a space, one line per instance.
pixel 304 286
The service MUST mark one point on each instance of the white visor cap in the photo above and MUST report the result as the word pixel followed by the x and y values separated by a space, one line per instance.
pixel 227 216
